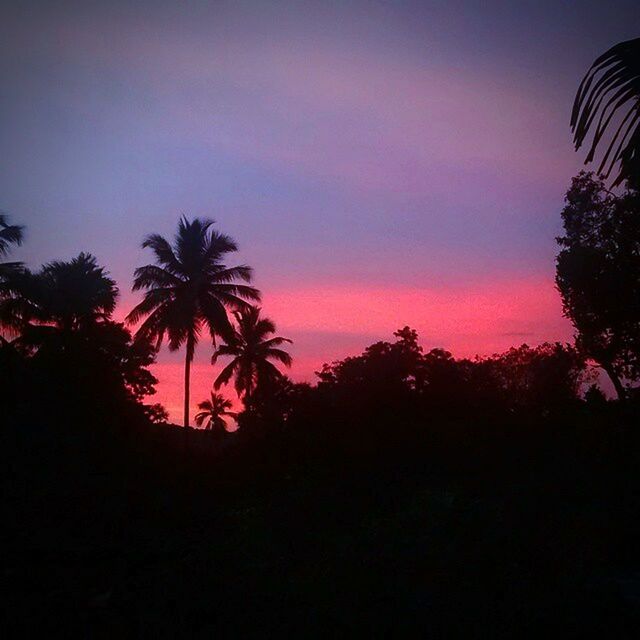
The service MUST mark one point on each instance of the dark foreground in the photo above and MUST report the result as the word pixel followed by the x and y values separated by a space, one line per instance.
pixel 536 534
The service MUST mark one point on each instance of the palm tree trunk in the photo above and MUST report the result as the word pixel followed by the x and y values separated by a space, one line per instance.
pixel 248 394
pixel 187 377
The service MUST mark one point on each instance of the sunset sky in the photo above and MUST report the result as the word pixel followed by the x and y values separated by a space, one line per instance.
pixel 379 163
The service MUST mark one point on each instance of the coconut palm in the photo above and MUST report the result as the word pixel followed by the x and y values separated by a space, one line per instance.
pixel 189 289
pixel 213 413
pixel 252 350
pixel 9 234
pixel 611 90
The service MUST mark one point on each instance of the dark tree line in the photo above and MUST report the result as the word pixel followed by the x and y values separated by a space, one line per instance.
pixel 58 327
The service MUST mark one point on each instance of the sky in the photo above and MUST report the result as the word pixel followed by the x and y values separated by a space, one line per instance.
pixel 380 164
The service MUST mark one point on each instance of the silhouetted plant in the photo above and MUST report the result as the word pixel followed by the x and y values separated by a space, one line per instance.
pixel 62 317
pixel 61 299
pixel 252 351
pixel 213 413
pixel 611 85
pixel 537 379
pixel 190 287
pixel 598 275
pixel 156 413
pixel 384 373
pixel 10 234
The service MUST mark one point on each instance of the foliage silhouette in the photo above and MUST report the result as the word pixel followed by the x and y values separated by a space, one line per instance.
pixel 67 346
pixel 611 85
pixel 252 351
pixel 60 300
pixel 213 413
pixel 190 288
pixel 394 375
pixel 9 235
pixel 598 276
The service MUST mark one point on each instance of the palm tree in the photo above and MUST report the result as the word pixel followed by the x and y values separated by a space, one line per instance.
pixel 213 413
pixel 189 288
pixel 62 299
pixel 612 85
pixel 252 350
pixel 9 234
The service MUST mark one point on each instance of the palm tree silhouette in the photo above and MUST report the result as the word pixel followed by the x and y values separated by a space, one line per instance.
pixel 189 288
pixel 9 234
pixel 213 413
pixel 611 84
pixel 252 351
pixel 60 300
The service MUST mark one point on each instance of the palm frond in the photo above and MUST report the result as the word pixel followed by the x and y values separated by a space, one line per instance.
pixel 215 317
pixel 151 276
pixel 237 294
pixel 264 327
pixel 230 274
pixel 612 83
pixel 205 405
pixel 226 374
pixel 191 242
pixel 280 356
pixel 201 417
pixel 8 269
pixel 164 252
pixel 268 371
pixel 274 342
pixel 151 301
pixel 225 350
pixel 155 326
pixel 9 234
pixel 218 244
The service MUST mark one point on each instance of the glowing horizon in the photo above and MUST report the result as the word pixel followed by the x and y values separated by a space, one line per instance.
pixel 330 323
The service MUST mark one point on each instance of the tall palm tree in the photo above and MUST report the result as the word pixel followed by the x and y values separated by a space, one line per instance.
pixel 9 234
pixel 213 413
pixel 189 288
pixel 252 350
pixel 611 89
pixel 59 300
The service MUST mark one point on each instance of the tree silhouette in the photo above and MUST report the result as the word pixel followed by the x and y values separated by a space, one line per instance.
pixel 252 350
pixel 61 299
pixel 68 341
pixel 189 287
pixel 10 234
pixel 536 379
pixel 213 413
pixel 612 85
pixel 598 276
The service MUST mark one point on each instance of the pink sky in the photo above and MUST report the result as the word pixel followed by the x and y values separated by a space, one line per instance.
pixel 331 322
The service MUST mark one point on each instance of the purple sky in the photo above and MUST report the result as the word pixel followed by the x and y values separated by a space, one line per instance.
pixel 380 164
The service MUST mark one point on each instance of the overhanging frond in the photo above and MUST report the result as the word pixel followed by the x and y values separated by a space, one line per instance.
pixel 610 93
